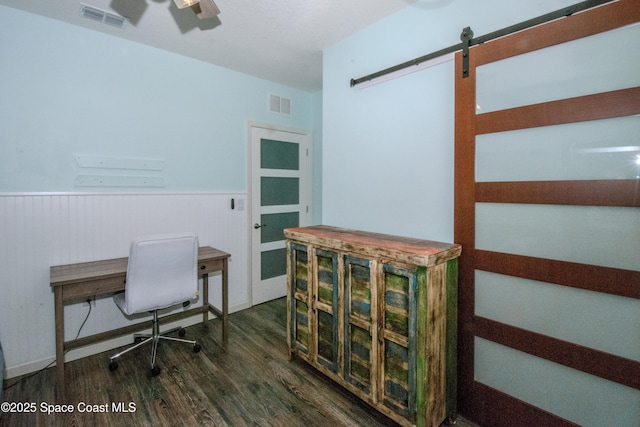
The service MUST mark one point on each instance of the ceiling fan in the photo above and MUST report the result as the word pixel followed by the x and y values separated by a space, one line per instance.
pixel 202 8
pixel 133 10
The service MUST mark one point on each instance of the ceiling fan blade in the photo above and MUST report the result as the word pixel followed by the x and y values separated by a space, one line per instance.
pixel 181 4
pixel 205 9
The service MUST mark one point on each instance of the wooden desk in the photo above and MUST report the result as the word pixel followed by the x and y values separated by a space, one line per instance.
pixel 76 282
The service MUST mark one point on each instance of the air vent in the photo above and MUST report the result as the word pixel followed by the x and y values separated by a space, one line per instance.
pixel 99 15
pixel 279 104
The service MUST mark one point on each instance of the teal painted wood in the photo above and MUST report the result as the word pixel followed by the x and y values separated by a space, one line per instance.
pixel 399 388
pixel 327 293
pixel 358 341
pixel 421 345
pixel 301 268
pixel 358 278
pixel 326 349
pixel 301 337
pixel 299 332
pixel 327 277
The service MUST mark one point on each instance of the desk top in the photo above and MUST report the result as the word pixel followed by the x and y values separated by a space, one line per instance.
pixel 75 273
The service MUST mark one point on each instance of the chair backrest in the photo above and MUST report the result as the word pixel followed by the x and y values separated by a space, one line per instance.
pixel 162 271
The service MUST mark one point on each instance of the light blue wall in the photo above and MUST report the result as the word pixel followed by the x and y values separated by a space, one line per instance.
pixel 388 149
pixel 388 167
pixel 66 91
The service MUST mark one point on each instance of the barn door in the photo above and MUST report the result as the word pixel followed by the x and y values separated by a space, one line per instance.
pixel 547 209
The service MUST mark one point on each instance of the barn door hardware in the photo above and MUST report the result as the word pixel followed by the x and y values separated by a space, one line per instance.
pixel 465 37
pixel 468 40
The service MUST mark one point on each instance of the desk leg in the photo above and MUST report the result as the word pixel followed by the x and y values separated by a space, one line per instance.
pixel 59 321
pixel 205 297
pixel 225 301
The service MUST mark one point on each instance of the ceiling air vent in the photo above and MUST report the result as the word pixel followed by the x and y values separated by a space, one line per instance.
pixel 99 15
pixel 279 104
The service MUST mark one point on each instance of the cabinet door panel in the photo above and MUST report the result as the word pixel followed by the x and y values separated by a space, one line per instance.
pixel 358 323
pixel 299 315
pixel 301 330
pixel 396 303
pixel 327 308
pixel 327 277
pixel 301 272
pixel 398 340
pixel 358 351
pixel 396 376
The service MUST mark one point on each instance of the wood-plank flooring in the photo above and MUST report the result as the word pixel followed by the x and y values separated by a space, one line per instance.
pixel 250 383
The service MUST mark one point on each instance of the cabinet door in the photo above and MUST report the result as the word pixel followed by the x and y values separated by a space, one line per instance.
pixel 300 300
pixel 326 308
pixel 358 328
pixel 397 339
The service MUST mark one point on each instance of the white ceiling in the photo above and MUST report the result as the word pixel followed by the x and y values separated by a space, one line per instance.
pixel 277 40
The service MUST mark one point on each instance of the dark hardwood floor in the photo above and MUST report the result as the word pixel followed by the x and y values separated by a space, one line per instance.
pixel 250 383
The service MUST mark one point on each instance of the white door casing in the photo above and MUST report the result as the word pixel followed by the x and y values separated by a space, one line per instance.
pixel 280 195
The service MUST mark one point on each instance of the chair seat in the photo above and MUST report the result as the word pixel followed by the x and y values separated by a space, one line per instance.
pixel 120 301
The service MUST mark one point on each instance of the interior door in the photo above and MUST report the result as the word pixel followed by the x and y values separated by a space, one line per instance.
pixel 547 211
pixel 280 195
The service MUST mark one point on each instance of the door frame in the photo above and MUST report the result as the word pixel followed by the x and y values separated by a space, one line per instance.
pixel 306 186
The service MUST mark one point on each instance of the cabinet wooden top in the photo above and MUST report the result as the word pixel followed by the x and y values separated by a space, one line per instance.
pixel 406 249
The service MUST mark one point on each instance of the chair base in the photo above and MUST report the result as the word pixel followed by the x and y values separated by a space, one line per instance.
pixel 153 338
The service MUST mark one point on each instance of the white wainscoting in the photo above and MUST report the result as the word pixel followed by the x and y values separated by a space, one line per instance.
pixel 41 230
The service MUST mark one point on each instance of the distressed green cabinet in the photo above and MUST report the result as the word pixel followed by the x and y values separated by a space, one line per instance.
pixel 377 314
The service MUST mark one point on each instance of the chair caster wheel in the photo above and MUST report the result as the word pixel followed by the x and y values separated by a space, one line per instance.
pixel 182 332
pixel 155 371
pixel 138 340
pixel 196 348
pixel 113 366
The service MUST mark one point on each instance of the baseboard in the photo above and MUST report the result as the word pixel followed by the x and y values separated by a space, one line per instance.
pixel 90 350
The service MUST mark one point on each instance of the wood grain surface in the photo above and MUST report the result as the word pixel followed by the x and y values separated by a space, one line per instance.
pixel 251 383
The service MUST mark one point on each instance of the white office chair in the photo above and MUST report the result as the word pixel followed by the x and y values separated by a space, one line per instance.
pixel 162 272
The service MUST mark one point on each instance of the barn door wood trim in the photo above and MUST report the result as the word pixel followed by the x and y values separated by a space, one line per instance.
pixel 476 400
